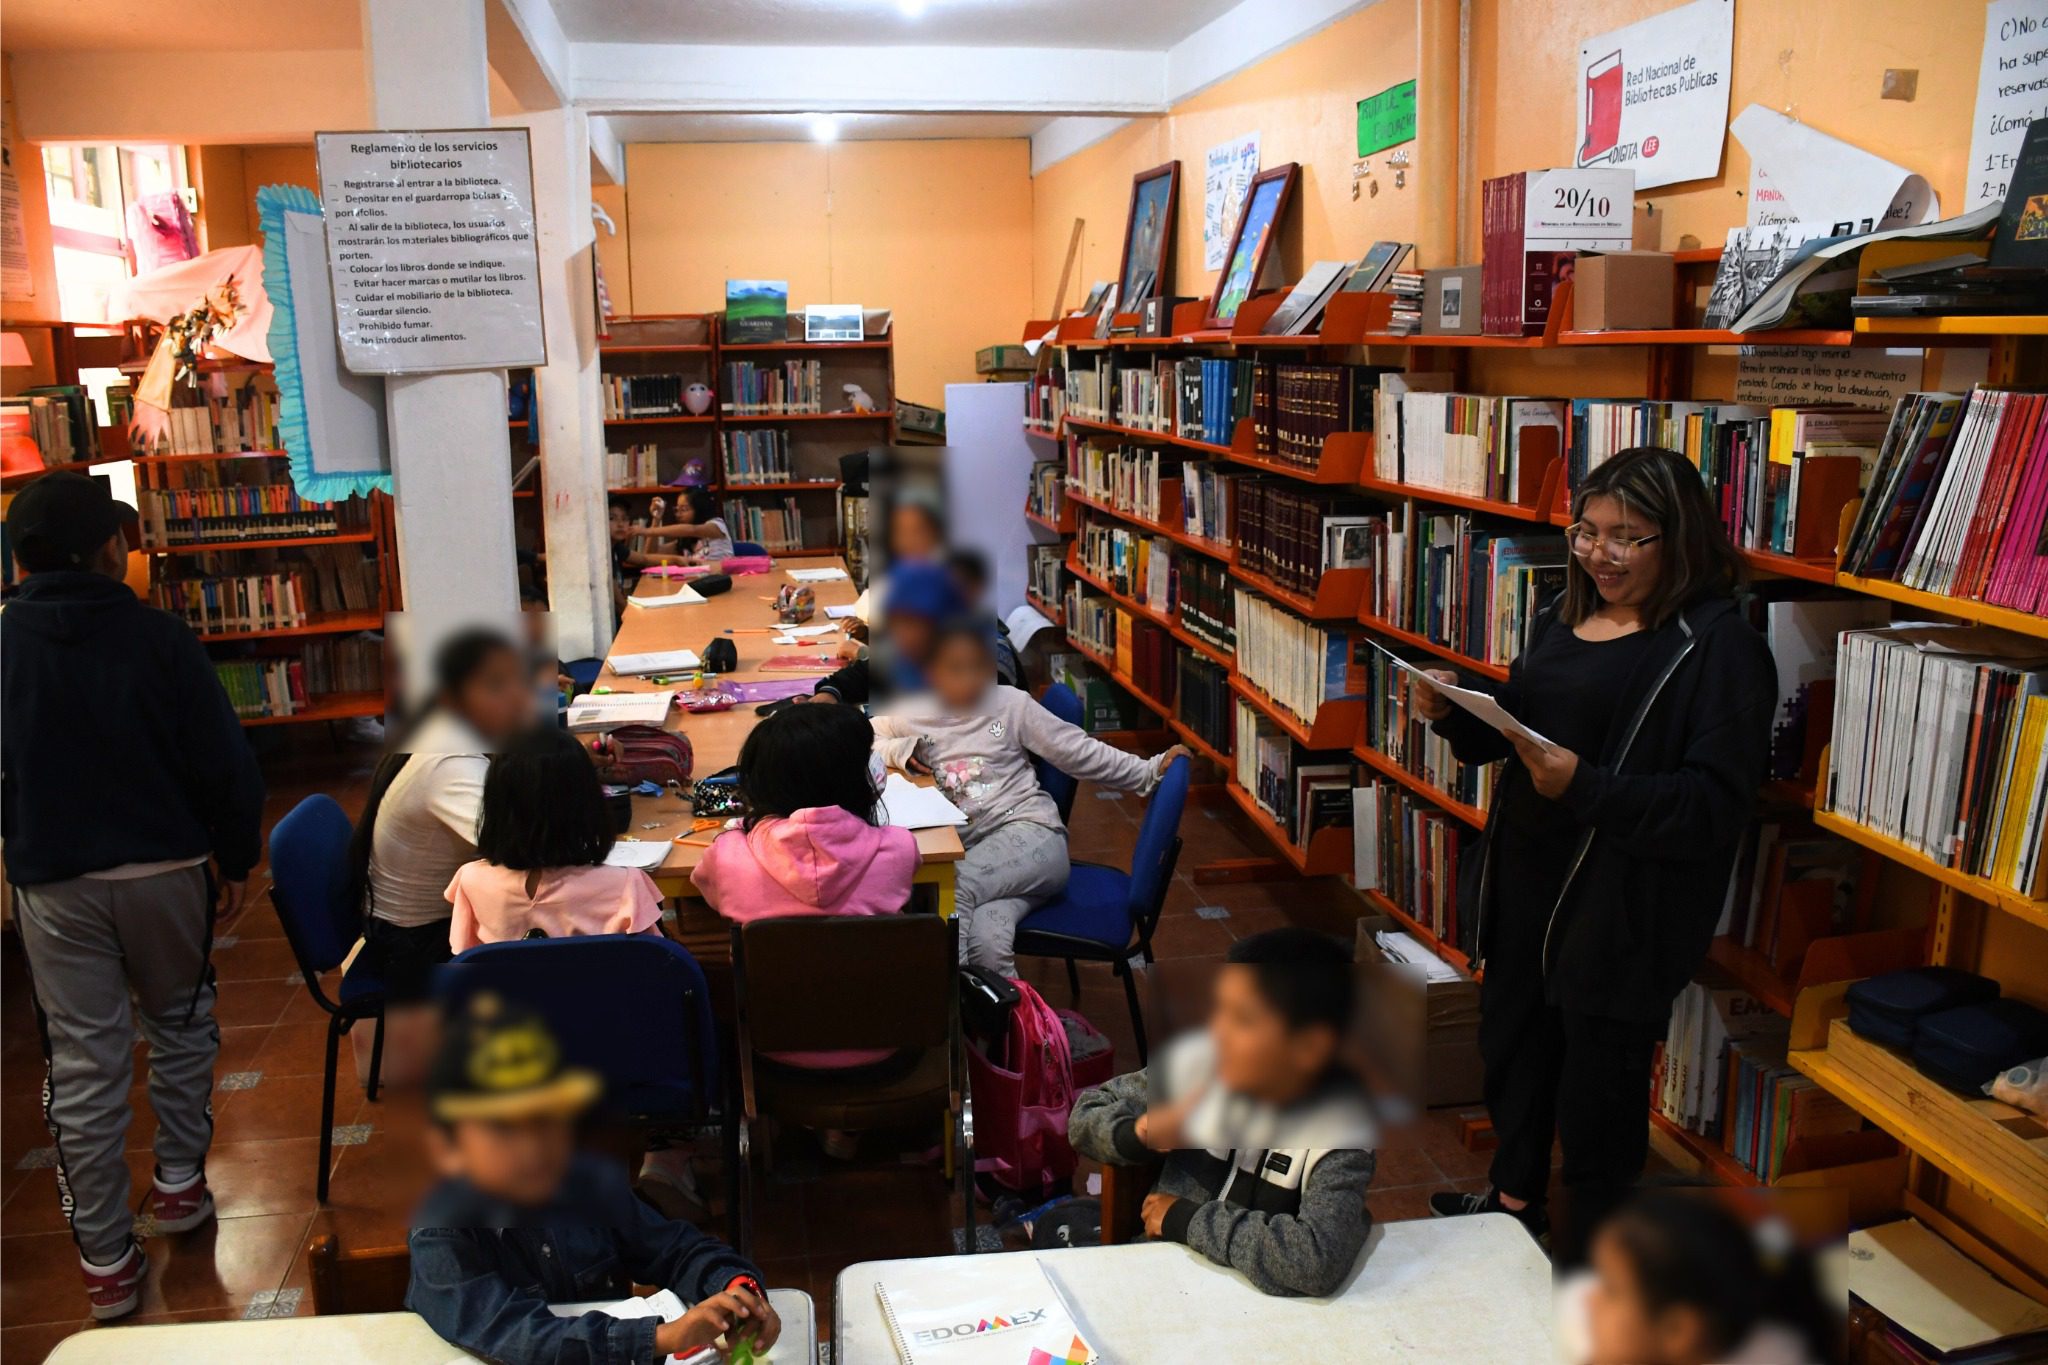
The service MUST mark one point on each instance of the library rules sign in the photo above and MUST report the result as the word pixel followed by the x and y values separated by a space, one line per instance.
pixel 1653 97
pixel 430 243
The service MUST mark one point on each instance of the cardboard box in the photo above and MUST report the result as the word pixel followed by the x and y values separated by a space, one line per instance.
pixel 1450 301
pixel 1003 360
pixel 1625 291
pixel 1422 1035
pixel 918 417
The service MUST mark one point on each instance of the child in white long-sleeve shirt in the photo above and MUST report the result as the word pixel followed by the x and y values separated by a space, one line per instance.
pixel 977 739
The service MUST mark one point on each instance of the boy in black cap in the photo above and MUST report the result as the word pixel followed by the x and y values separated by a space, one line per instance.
pixel 522 1220
pixel 122 772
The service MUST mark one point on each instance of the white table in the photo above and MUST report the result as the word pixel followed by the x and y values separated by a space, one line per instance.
pixel 378 1338
pixel 1435 1289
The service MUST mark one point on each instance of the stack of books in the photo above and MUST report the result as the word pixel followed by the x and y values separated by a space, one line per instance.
pixel 208 511
pixel 212 424
pixel 794 386
pixel 1045 399
pixel 1405 317
pixel 277 599
pixel 1145 655
pixel 1044 566
pixel 1091 620
pixel 1686 1079
pixel 1477 591
pixel 756 455
pixel 1139 566
pixel 1770 1110
pixel 1088 387
pixel 637 466
pixel 288 684
pixel 1298 664
pixel 1793 884
pixel 1046 494
pixel 1125 476
pixel 1301 796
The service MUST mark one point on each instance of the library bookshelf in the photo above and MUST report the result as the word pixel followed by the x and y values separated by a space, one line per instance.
pixel 1975 1170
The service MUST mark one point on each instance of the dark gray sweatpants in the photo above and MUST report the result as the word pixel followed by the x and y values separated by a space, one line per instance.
pixel 91 943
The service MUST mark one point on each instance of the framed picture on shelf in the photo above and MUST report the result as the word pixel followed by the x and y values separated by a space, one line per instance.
pixel 832 322
pixel 1265 207
pixel 1148 235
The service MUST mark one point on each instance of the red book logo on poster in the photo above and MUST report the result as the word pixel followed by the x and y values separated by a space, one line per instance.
pixel 1603 107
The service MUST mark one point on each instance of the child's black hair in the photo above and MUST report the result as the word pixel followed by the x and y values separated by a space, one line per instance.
pixel 805 757
pixel 1305 976
pixel 1688 1251
pixel 463 655
pixel 699 502
pixel 978 627
pixel 543 805
pixel 970 568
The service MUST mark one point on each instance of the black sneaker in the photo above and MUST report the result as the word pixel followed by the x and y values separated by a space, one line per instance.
pixel 1452 1204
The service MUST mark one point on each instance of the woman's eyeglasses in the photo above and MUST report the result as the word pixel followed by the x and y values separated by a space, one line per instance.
pixel 1618 548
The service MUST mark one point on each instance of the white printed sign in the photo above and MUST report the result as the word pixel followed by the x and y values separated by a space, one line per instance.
pixel 1653 97
pixel 430 243
pixel 1822 179
pixel 2012 91
pixel 1773 376
pixel 1587 210
pixel 1230 171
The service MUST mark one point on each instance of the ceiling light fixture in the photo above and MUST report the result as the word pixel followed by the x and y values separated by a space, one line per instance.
pixel 824 128
pixel 911 9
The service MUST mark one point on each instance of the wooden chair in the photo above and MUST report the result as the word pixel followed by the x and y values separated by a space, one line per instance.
pixel 367 1281
pixel 1123 1200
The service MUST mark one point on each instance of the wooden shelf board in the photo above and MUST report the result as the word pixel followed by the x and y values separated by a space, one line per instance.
pixel 680 348
pixel 1149 437
pixel 1754 971
pixel 1055 614
pixel 782 486
pixel 1386 767
pixel 1785 566
pixel 333 706
pixel 881 344
pixel 1498 672
pixel 1215 549
pixel 1042 433
pixel 190 457
pixel 1380 901
pixel 1324 473
pixel 280 542
pixel 1322 857
pixel 1976 888
pixel 1703 1152
pixel 1334 601
pixel 666 419
pixel 338 624
pixel 1056 526
pixel 1152 616
pixel 1330 731
pixel 770 418
pixel 2005 618
pixel 1986 324
pixel 1708 336
pixel 1446 498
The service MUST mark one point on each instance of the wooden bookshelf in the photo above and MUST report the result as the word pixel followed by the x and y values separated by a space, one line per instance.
pixel 1151 615
pixel 1337 596
pixel 329 706
pixel 1442 947
pixel 201 547
pixel 1331 729
pixel 1329 848
pixel 1498 672
pixel 1981 889
pixel 1143 436
pixel 1214 549
pixel 337 623
pixel 2005 618
pixel 1421 786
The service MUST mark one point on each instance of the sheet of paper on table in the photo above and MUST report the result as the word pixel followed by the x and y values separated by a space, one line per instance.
pixel 1479 704
pixel 681 597
pixel 665 661
pixel 832 575
pixel 641 853
pixel 840 613
pixel 609 710
pixel 909 806
pixel 801 631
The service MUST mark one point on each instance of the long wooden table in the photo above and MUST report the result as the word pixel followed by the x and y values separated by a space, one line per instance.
pixel 716 737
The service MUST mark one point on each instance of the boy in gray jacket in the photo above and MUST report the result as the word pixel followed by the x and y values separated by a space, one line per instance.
pixel 1266 1165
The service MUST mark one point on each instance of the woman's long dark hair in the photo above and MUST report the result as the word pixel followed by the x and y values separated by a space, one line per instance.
pixel 698 503
pixel 1697 559
pixel 807 756
pixel 543 805
pixel 459 660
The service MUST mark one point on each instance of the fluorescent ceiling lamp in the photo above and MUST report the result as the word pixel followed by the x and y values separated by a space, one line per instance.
pixel 911 9
pixel 824 128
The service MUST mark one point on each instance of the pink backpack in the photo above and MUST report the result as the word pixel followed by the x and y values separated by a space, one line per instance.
pixel 1022 1099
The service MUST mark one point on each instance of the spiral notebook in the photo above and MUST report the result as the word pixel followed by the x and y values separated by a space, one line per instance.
pixel 983 1310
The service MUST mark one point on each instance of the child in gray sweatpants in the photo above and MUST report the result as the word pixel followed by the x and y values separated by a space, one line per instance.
pixel 977 740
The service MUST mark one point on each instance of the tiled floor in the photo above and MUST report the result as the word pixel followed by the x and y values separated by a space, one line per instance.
pixel 813 1216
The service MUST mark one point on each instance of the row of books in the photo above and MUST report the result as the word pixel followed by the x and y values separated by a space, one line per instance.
pixel 1046 494
pixel 1475 590
pixel 58 418
pixel 637 466
pixel 1204 700
pixel 278 599
pixel 1477 445
pixel 1686 1080
pixel 1206 501
pixel 1139 566
pixel 1195 398
pixel 1044 566
pixel 1298 664
pixel 1770 1111
pixel 1045 398
pixel 242 511
pixel 1407 850
pixel 1124 476
pixel 1793 884
pixel 1207 600
pixel 285 685
pixel 1091 619
pixel 643 395
pixel 1394 729
pixel 243 419
pixel 1293 535
pixel 1939 742
pixel 778 527
pixel 792 386
pixel 756 455
pixel 1958 499
pixel 1296 407
pixel 1145 655
pixel 1301 795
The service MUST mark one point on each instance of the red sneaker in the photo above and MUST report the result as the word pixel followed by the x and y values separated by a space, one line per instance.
pixel 182 1210
pixel 115 1292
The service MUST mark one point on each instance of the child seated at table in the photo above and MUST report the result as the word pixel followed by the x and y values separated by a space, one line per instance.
pixel 543 839
pixel 522 1220
pixel 700 523
pixel 977 738
pixel 1262 1134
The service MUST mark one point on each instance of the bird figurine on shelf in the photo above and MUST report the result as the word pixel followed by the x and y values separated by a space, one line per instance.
pixel 857 398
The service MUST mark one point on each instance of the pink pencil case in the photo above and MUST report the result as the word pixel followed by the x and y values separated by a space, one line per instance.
pixel 744 564
pixel 676 570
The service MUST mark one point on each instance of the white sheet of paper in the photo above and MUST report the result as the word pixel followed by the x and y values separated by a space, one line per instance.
pixel 1908 1273
pixel 910 806
pixel 1826 180
pixel 683 596
pixel 665 661
pixel 839 613
pixel 608 711
pixel 815 575
pixel 803 632
pixel 1025 622
pixel 642 853
pixel 1479 704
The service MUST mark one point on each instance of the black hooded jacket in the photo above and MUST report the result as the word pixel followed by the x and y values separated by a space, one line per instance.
pixel 117 743
pixel 1661 809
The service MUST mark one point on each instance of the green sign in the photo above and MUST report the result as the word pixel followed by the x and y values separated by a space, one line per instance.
pixel 1386 119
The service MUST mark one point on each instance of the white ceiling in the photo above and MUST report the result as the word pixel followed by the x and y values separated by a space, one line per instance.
pixel 179 25
pixel 797 127
pixel 1135 25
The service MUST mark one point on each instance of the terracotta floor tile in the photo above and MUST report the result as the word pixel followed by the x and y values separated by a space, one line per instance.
pixel 278 1107
pixel 300 1049
pixel 1402 1163
pixel 300 1008
pixel 238 1049
pixel 254 959
pixel 42 1282
pixel 253 1002
pixel 1184 934
pixel 255 1179
pixel 384 1173
pixel 220 1264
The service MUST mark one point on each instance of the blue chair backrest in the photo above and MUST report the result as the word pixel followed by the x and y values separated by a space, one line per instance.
pixel 1158 841
pixel 309 883
pixel 1061 701
pixel 632 1007
pixel 748 547
pixel 584 671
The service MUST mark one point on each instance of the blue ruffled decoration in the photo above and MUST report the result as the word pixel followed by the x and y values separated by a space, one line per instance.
pixel 272 203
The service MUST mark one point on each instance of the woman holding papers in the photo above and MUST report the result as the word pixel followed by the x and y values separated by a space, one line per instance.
pixel 1608 850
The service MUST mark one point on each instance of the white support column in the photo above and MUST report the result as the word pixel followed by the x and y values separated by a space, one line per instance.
pixel 571 407
pixel 450 443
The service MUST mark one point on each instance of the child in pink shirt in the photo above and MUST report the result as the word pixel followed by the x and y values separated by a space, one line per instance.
pixel 544 836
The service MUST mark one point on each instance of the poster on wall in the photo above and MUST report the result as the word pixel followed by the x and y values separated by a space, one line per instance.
pixel 1230 168
pixel 1798 173
pixel 2012 91
pixel 430 244
pixel 1653 97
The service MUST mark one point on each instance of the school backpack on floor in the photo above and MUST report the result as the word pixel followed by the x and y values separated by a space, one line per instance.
pixel 648 753
pixel 1024 1085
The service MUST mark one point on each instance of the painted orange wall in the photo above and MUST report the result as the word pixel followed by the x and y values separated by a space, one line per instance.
pixel 938 231
pixel 613 251
pixel 1301 101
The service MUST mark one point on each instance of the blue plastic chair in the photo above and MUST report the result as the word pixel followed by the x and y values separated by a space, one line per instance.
pixel 584 671
pixel 309 888
pixel 1061 701
pixel 748 547
pixel 634 1008
pixel 1106 915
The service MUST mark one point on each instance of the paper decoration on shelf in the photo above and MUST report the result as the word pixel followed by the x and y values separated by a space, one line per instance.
pixel 1654 96
pixel 2008 96
pixel 1800 174
pixel 1230 169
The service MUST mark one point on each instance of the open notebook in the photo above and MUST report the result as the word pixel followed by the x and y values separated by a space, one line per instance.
pixel 982 1310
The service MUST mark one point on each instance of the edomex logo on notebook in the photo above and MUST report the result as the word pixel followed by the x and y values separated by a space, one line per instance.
pixel 931 1336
